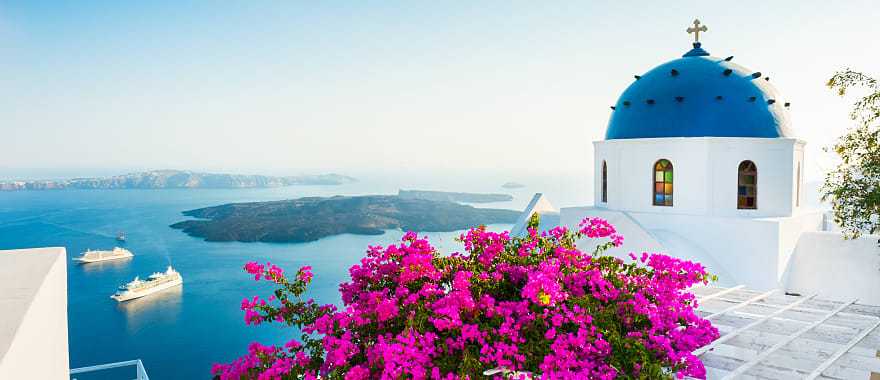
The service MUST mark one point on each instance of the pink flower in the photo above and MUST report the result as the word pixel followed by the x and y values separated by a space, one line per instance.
pixel 358 372
pixel 535 304
pixel 255 269
pixel 274 273
pixel 386 310
pixel 305 274
pixel 596 228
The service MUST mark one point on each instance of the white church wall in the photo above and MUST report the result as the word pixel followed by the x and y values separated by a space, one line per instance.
pixel 705 172
pixel 773 159
pixel 797 177
pixel 738 250
pixel 824 263
pixel 746 249
pixel 631 164
pixel 752 251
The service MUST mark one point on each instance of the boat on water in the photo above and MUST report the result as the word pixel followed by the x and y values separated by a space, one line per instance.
pixel 120 237
pixel 157 282
pixel 90 256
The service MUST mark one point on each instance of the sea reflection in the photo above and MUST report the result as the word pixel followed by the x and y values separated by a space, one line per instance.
pixel 105 265
pixel 162 307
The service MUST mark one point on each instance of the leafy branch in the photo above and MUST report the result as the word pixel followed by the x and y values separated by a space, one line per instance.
pixel 853 187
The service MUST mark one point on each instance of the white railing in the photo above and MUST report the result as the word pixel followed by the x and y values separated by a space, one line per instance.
pixel 141 372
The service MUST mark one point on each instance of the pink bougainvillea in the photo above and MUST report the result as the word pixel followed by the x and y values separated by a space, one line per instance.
pixel 508 307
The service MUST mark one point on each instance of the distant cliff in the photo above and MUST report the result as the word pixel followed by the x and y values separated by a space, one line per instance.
pixel 309 219
pixel 453 197
pixel 177 179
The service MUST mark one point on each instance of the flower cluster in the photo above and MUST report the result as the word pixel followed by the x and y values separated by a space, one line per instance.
pixel 532 306
pixel 269 272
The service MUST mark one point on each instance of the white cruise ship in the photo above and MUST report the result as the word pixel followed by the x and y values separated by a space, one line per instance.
pixel 157 282
pixel 90 256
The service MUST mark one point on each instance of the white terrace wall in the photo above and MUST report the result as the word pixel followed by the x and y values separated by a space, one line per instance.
pixel 636 239
pixel 825 263
pixel 751 251
pixel 755 252
pixel 33 324
pixel 746 249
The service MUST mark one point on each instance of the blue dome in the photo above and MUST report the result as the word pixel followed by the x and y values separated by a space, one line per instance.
pixel 699 96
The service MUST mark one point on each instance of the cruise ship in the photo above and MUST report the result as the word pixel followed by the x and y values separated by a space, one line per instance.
pixel 90 256
pixel 157 282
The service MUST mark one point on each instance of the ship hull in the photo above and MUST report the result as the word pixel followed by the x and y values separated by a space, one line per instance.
pixel 83 260
pixel 127 296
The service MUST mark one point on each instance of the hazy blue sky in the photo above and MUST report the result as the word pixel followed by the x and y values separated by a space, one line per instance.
pixel 332 85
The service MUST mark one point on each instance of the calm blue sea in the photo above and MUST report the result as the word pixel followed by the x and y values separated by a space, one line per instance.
pixel 180 333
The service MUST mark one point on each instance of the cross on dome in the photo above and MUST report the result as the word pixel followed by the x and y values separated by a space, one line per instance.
pixel 696 29
pixel 699 95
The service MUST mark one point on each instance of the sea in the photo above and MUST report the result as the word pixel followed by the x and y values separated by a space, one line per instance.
pixel 180 333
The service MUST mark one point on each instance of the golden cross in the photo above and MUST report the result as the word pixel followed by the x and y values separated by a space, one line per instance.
pixel 697 29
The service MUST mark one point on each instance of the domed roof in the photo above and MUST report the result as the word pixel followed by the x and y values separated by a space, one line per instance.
pixel 699 96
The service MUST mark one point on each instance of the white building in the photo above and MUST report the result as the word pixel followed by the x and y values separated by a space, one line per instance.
pixel 699 161
pixel 33 321
pixel 33 318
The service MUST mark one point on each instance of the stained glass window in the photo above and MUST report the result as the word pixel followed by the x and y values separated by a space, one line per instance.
pixel 604 182
pixel 663 183
pixel 747 186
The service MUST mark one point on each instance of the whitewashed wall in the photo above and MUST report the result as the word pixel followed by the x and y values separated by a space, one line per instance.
pixel 705 174
pixel 797 195
pixel 790 231
pixel 825 263
pixel 636 238
pixel 749 251
pixel 33 300
pixel 745 249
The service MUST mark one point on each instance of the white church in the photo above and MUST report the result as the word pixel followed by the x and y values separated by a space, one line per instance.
pixel 700 161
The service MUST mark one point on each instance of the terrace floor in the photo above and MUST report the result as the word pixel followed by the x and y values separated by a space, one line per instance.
pixel 771 335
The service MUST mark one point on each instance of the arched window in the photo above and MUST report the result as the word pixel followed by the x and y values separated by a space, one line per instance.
pixel 663 183
pixel 747 186
pixel 604 182
pixel 797 201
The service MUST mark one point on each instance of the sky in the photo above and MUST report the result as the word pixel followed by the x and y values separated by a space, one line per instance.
pixel 298 87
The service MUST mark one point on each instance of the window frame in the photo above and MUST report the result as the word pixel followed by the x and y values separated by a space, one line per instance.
pixel 744 169
pixel 604 184
pixel 667 182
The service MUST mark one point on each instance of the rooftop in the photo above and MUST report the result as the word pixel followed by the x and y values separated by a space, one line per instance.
pixel 699 96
